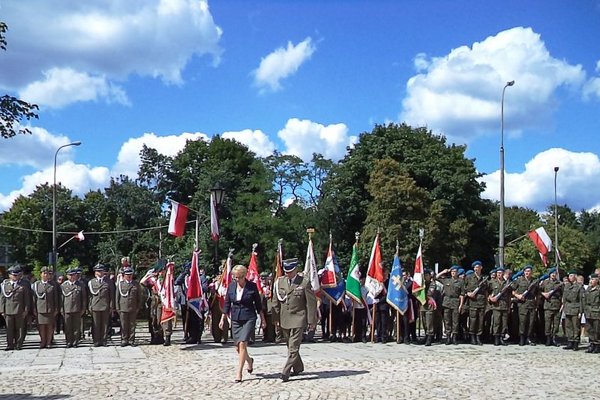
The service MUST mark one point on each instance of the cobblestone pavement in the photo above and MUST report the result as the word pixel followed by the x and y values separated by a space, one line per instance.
pixel 333 371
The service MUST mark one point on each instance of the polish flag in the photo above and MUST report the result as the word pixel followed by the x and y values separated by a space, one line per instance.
pixel 178 219
pixel 80 236
pixel 214 219
pixel 542 242
pixel 252 274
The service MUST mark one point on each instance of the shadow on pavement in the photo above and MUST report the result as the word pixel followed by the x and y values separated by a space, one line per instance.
pixel 305 376
pixel 26 396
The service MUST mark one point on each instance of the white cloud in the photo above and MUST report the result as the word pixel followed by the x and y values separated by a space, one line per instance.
pixel 128 160
pixel 577 181
pixel 592 86
pixel 62 87
pixel 282 63
pixel 459 94
pixel 303 138
pixel 105 39
pixel 77 177
pixel 35 150
pixel 255 140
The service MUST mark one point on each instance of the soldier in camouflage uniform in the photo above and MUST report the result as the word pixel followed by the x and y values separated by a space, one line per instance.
pixel 591 306
pixel 476 292
pixel 572 307
pixel 452 302
pixel 499 298
pixel 525 290
pixel 551 290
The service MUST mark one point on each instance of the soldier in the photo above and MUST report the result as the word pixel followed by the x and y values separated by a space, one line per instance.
pixel 499 298
pixel 452 302
pixel 294 310
pixel 129 298
pixel 82 283
pixel 15 304
pixel 525 292
pixel 428 309
pixel 46 297
pixel 101 304
pixel 572 308
pixel 591 304
pixel 476 292
pixel 551 290
pixel 74 304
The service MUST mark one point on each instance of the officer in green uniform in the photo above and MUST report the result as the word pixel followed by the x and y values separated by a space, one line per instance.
pixel 591 307
pixel 15 304
pixel 46 306
pixel 294 311
pixel 525 291
pixel 551 290
pixel 476 292
pixel 428 309
pixel 74 304
pixel 101 304
pixel 499 298
pixel 452 301
pixel 572 308
pixel 129 298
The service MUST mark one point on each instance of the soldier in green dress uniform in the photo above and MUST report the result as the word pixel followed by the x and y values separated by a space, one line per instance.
pixel 15 304
pixel 74 305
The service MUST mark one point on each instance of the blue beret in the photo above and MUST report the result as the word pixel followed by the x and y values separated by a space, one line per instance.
pixel 494 271
pixel 461 271
pixel 525 268
pixel 456 267
pixel 290 264
pixel 470 272
pixel 427 271
pixel 476 263
pixel 552 270
pixel 499 269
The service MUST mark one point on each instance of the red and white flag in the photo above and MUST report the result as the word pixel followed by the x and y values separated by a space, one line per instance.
pixel 329 278
pixel 194 293
pixel 252 274
pixel 178 219
pixel 225 281
pixel 374 279
pixel 542 242
pixel 80 236
pixel 214 219
pixel 418 284
pixel 167 295
pixel 310 268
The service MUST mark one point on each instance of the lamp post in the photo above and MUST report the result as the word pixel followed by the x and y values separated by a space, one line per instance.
pixel 54 256
pixel 501 230
pixel 556 225
pixel 217 194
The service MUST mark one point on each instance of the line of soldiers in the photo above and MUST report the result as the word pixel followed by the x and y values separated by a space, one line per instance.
pixel 45 299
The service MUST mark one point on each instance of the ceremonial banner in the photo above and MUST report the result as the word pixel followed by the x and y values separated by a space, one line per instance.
pixel 178 219
pixel 167 295
pixel 353 280
pixel 332 284
pixel 418 285
pixel 397 296
pixel 374 280
pixel 310 268
pixel 194 295
pixel 214 220
pixel 252 274
pixel 542 242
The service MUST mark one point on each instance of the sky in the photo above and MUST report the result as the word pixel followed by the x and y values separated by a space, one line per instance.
pixel 303 77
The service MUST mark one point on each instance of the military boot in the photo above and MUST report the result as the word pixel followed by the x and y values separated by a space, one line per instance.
pixel 478 340
pixel 497 340
pixel 448 339
pixel 549 340
pixel 474 340
pixel 591 348
pixel 428 340
pixel 575 345
pixel 522 340
pixel 167 341
pixel 569 345
pixel 454 340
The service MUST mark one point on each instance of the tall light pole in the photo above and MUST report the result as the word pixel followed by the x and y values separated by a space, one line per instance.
pixel 501 231
pixel 54 204
pixel 217 195
pixel 556 225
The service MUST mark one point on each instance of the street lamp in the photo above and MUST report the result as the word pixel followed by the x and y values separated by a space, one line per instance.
pixel 556 225
pixel 501 233
pixel 217 194
pixel 54 204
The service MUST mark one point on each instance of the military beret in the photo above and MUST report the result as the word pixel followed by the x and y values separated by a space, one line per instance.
pixel 127 271
pixel 469 272
pixel 159 266
pixel 290 264
pixel 461 271
pixel 573 271
pixel 455 267
pixel 99 267
pixel 594 276
pixel 494 271
pixel 427 271
pixel 525 268
pixel 476 263
pixel 552 270
pixel 499 269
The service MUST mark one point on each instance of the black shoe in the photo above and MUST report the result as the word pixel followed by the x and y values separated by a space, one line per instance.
pixel 123 344
pixel 296 373
pixel 522 340
pixel 454 340
pixel 428 340
pixel 531 342
pixel 569 346
pixel 478 341
pixel 474 340
pixel 590 348
pixel 496 340
pixel 575 346
pixel 284 377
pixel 167 341
pixel 549 341
pixel 448 340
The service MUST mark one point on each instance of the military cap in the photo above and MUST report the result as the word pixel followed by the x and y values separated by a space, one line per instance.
pixel 469 272
pixel 127 271
pixel 15 270
pixel 455 267
pixel 461 271
pixel 573 271
pixel 594 276
pixel 77 270
pixel 46 269
pixel 99 267
pixel 525 268
pixel 71 271
pixel 476 263
pixel 290 264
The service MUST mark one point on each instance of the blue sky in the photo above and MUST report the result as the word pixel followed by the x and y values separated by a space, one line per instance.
pixel 304 77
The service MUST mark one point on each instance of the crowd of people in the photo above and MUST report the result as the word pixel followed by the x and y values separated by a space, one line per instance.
pixel 460 306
